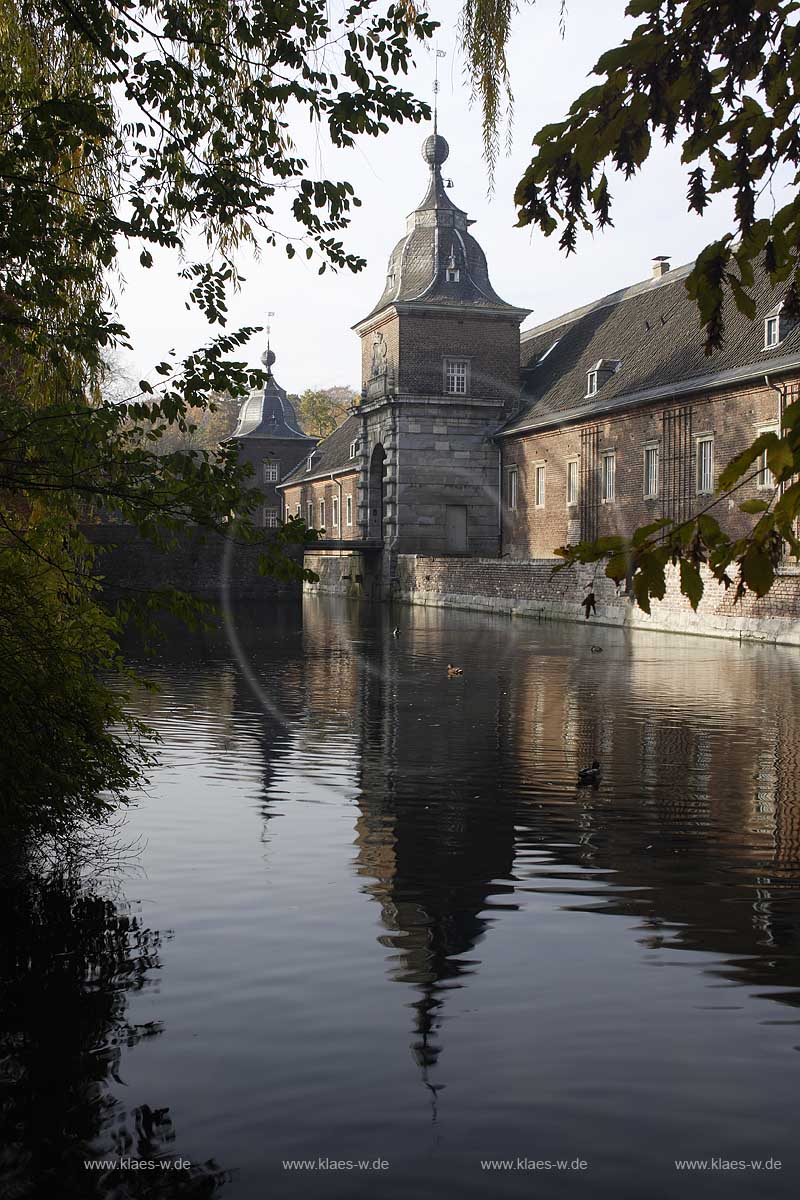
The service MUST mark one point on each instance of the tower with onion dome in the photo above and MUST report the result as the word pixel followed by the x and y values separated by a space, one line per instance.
pixel 440 372
pixel 270 439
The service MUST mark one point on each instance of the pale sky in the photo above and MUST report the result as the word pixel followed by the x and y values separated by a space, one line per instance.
pixel 311 336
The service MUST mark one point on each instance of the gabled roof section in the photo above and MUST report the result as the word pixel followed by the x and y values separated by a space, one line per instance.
pixel 653 328
pixel 332 454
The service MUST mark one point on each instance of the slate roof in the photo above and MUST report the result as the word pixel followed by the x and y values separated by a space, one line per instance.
pixel 269 412
pixel 332 454
pixel 436 239
pixel 653 329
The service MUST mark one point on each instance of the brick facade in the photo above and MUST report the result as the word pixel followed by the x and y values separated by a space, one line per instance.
pixel 489 342
pixel 320 494
pixel 732 419
pixel 258 452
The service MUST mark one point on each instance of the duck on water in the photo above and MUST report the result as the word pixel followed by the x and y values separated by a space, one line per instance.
pixel 590 775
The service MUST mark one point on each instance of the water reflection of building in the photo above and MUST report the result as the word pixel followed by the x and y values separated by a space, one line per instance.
pixel 437 857
pixel 695 829
pixel 700 753
pixel 465 787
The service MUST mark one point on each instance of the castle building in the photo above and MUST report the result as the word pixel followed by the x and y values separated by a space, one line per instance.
pixel 269 438
pixel 471 440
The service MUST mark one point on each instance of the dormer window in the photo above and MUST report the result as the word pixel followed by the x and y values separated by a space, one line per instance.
pixel 354 449
pixel 452 273
pixel 776 326
pixel 598 374
pixel 310 460
pixel 390 280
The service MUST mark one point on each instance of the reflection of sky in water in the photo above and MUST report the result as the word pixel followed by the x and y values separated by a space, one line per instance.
pixel 398 931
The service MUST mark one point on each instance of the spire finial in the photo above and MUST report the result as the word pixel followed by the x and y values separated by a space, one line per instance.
pixel 268 358
pixel 437 55
pixel 435 149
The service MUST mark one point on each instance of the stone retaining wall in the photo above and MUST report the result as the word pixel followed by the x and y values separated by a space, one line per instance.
pixel 352 573
pixel 130 564
pixel 528 588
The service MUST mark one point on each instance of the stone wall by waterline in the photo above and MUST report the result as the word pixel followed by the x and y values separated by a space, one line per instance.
pixel 528 588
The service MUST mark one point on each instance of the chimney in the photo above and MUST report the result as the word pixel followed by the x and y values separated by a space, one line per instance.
pixel 660 265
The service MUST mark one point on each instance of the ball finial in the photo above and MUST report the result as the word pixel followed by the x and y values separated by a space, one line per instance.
pixel 435 150
pixel 268 358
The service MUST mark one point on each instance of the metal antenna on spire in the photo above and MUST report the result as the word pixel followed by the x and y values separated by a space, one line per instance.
pixel 438 54
pixel 269 328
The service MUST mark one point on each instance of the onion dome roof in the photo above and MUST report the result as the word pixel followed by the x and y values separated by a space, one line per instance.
pixel 269 412
pixel 438 261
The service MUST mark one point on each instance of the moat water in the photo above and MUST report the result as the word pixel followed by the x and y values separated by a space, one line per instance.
pixel 364 914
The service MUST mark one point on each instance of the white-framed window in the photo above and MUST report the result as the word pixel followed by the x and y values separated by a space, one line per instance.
pixel 272 517
pixel 456 376
pixel 322 514
pixel 512 488
pixel 705 464
pixel 591 383
pixel 772 331
pixel 272 471
pixel 390 280
pixel 572 481
pixel 538 485
pixel 650 472
pixel 297 511
pixel 608 476
pixel 354 448
pixel 335 512
pixel 453 274
pixel 310 515
pixel 765 478
pixel 348 508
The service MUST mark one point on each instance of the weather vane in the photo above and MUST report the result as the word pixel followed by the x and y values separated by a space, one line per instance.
pixel 438 54
pixel 269 328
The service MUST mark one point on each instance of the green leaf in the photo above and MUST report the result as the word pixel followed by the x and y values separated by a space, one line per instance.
pixel 754 506
pixel 610 545
pixel 780 458
pixel 645 532
pixel 757 570
pixel 691 582
pixel 708 528
pixel 738 465
pixel 617 567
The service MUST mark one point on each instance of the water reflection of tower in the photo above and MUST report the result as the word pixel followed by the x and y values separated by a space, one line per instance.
pixel 268 698
pixel 435 852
